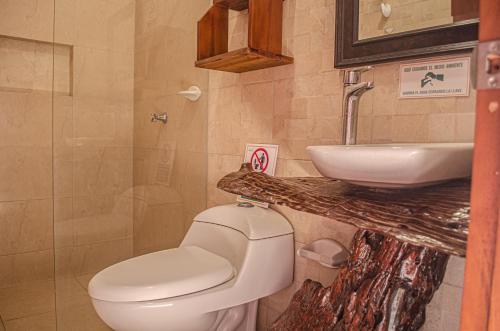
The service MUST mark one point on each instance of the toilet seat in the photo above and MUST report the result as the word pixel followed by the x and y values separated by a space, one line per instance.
pixel 161 275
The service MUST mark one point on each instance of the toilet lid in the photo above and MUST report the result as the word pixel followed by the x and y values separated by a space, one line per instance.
pixel 161 275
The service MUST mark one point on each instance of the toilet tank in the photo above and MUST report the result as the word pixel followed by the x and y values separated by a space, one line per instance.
pixel 257 241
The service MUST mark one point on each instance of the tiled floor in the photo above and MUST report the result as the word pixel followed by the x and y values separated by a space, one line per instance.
pixel 32 306
pixel 27 299
pixel 74 308
pixel 28 306
pixel 42 322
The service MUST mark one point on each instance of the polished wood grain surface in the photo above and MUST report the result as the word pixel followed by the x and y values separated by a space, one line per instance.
pixel 436 217
pixel 385 285
pixel 464 9
pixel 233 4
pixel 481 300
pixel 213 32
pixel 242 60
pixel 265 25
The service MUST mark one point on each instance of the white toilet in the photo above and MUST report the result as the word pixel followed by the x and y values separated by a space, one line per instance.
pixel 231 256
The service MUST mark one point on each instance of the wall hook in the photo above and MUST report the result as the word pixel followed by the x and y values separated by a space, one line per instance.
pixel 193 93
pixel 386 9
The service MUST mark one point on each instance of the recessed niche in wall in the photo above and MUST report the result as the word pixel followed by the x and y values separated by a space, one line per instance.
pixel 26 65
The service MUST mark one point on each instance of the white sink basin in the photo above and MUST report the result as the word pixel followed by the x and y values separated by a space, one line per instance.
pixel 393 165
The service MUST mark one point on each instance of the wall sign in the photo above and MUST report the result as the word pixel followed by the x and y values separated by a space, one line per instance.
pixel 262 158
pixel 440 78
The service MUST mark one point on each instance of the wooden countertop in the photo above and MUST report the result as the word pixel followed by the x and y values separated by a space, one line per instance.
pixel 436 216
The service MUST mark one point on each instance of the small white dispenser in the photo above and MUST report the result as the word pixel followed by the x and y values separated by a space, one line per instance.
pixel 328 252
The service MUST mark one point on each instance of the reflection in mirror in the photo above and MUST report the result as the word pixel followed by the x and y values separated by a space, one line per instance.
pixel 378 18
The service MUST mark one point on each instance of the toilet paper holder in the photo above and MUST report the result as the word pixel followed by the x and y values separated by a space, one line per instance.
pixel 328 252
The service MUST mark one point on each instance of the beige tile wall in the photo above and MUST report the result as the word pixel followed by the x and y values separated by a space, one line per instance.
pixel 93 155
pixel 26 211
pixel 169 160
pixel 27 19
pixel 66 170
pixel 300 105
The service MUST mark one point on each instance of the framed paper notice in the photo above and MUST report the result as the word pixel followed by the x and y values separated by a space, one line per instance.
pixel 440 78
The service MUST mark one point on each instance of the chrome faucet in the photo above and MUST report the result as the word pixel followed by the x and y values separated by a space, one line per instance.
pixel 353 90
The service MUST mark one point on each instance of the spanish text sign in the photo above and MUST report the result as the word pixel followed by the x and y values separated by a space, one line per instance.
pixel 442 78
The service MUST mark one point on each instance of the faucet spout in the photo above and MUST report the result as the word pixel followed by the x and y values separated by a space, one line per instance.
pixel 358 89
pixel 352 95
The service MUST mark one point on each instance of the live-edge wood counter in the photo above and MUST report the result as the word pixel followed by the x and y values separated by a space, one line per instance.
pixel 436 216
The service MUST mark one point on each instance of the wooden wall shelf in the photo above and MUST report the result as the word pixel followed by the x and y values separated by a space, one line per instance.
pixel 264 37
pixel 436 217
pixel 238 5
pixel 242 60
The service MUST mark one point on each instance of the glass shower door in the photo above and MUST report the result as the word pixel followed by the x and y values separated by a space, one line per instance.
pixel 86 179
pixel 93 200
pixel 26 153
pixel 123 186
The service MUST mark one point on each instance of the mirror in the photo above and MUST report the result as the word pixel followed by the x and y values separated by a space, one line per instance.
pixel 379 18
pixel 374 31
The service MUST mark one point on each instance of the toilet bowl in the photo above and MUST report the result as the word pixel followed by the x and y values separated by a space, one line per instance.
pixel 230 257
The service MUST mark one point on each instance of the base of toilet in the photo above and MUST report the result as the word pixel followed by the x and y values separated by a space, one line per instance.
pixel 239 318
pixel 137 317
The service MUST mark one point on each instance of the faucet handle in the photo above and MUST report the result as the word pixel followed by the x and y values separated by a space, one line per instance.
pixel 161 117
pixel 361 69
pixel 353 76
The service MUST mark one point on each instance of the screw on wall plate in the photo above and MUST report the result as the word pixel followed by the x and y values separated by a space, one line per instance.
pixel 493 106
pixel 492 82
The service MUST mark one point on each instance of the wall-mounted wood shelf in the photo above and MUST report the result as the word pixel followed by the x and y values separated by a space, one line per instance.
pixel 238 5
pixel 242 60
pixel 264 37
pixel 436 217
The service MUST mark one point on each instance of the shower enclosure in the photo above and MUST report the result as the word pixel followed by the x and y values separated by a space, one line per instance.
pixel 86 179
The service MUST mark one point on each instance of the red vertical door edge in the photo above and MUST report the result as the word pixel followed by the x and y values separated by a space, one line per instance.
pixel 481 298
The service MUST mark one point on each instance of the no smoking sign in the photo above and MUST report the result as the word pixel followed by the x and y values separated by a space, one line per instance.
pixel 262 158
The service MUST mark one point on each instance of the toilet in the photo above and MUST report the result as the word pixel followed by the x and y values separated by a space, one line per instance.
pixel 231 256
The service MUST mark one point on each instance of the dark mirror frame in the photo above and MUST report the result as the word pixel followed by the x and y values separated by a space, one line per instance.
pixel 350 52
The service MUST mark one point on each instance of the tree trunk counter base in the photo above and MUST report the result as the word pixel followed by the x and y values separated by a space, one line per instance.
pixel 385 285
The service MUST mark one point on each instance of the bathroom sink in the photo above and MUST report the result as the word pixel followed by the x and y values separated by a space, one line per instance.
pixel 393 165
